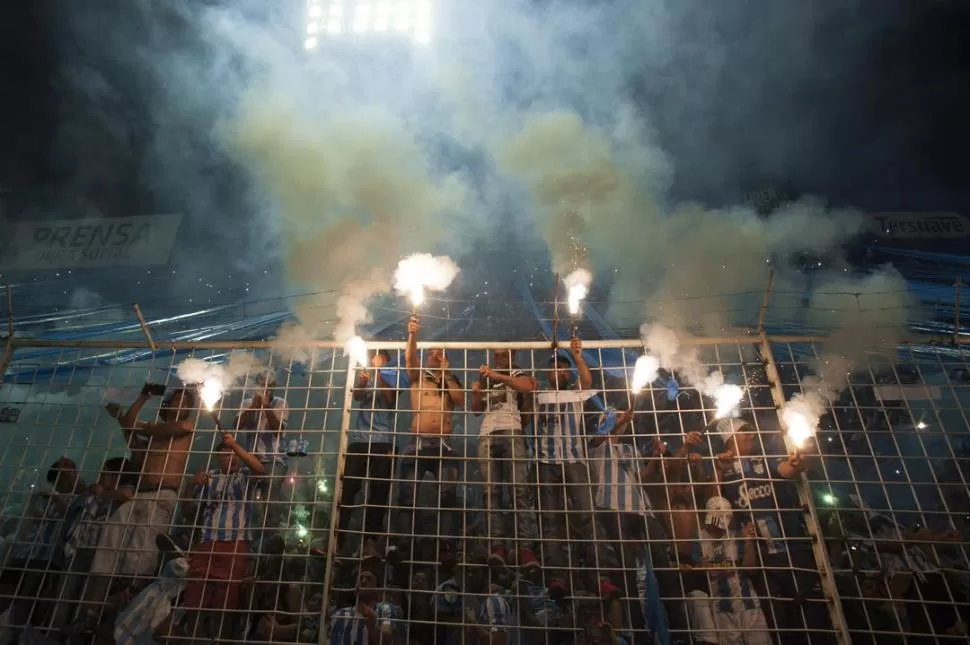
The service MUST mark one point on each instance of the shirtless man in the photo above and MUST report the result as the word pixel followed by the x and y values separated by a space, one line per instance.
pixel 126 547
pixel 435 393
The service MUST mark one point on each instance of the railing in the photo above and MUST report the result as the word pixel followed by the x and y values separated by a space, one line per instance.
pixel 868 544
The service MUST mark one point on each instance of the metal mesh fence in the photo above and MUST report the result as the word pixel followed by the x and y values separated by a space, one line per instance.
pixel 443 502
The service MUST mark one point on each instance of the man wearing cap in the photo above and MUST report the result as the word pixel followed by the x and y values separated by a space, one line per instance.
pixel 747 478
pixel 467 610
pixel 263 418
pixel 730 613
pixel 564 476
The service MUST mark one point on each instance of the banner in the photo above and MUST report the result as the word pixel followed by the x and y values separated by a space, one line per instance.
pixel 908 225
pixel 141 240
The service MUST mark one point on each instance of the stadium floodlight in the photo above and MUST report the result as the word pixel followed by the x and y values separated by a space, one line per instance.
pixel 362 18
pixel 409 18
pixel 383 18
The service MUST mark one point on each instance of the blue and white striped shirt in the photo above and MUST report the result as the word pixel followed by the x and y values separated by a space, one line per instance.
pixel 619 488
pixel 731 589
pixel 492 612
pixel 375 420
pixel 347 627
pixel 561 432
pixel 225 506
pixel 267 445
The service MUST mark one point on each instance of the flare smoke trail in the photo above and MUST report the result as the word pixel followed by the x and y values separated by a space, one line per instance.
pixel 239 368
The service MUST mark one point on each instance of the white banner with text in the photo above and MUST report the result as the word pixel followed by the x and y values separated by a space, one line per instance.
pixel 140 240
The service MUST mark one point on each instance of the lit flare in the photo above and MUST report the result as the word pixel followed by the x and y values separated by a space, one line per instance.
pixel 800 427
pixel 422 271
pixel 210 392
pixel 726 399
pixel 577 288
pixel 356 349
pixel 644 371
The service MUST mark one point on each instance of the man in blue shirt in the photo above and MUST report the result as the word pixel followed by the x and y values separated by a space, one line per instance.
pixel 370 454
pixel 747 478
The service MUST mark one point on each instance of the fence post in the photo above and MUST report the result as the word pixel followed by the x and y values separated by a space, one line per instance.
pixel 829 588
pixel 764 301
pixel 8 346
pixel 956 313
pixel 335 504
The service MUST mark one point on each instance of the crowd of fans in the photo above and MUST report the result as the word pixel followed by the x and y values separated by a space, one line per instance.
pixel 588 532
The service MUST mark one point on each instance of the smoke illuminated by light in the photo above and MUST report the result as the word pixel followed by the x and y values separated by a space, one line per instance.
pixel 423 271
pixel 577 286
pixel 210 392
pixel 727 397
pixel 800 427
pixel 356 349
pixel 644 372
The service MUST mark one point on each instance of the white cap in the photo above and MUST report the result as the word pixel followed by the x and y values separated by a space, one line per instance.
pixel 719 513
pixel 728 427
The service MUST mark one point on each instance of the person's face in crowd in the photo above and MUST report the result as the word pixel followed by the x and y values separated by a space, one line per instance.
pixel 741 443
pixel 379 360
pixel 534 575
pixel 503 359
pixel 227 460
pixel 177 407
pixel 474 577
pixel 367 586
pixel 67 476
pixel 436 358
pixel 315 604
pixel 421 582
pixel 561 374
pixel 108 480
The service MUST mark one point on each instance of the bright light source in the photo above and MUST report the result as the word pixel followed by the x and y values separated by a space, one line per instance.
pixel 423 36
pixel 922 425
pixel 829 498
pixel 311 43
pixel 312 28
pixel 333 27
pixel 322 485
pixel 301 531
pixel 316 11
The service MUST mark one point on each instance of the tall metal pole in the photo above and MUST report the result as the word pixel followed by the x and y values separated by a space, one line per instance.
pixel 335 504
pixel 764 302
pixel 7 355
pixel 834 605
pixel 956 313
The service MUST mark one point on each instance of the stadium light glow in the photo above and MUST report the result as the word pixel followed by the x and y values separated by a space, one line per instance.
pixel 311 43
pixel 413 18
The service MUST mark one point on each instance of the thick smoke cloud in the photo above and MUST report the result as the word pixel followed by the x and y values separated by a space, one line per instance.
pixel 577 118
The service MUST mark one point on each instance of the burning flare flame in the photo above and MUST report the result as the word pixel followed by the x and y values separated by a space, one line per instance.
pixel 800 428
pixel 356 349
pixel 577 288
pixel 726 399
pixel 644 372
pixel 421 271
pixel 210 392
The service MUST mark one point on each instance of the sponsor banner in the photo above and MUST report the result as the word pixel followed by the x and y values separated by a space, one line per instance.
pixel 908 225
pixel 141 240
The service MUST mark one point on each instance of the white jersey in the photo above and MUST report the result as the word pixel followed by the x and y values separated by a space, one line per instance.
pixel 502 410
